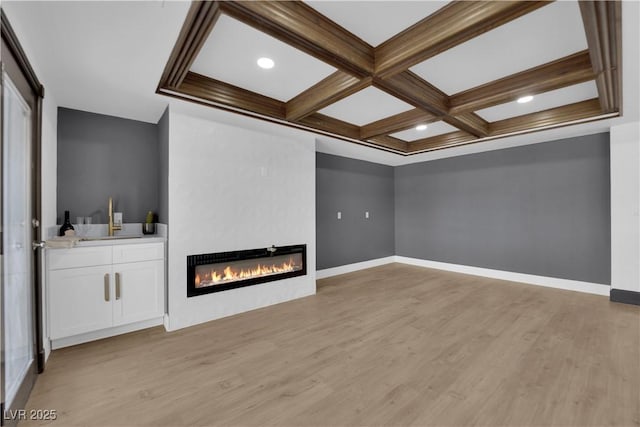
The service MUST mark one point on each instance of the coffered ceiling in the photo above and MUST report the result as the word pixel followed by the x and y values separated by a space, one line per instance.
pixel 371 72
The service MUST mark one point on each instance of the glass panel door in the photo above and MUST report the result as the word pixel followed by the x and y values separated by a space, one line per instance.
pixel 17 238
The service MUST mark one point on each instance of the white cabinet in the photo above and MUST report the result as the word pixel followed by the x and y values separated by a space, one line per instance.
pixel 138 295
pixel 79 300
pixel 101 291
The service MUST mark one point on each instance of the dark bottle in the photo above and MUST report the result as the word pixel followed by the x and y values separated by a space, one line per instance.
pixel 66 225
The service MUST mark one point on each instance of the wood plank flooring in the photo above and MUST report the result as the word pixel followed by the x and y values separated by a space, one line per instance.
pixel 392 345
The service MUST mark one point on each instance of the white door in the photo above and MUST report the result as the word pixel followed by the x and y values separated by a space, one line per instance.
pixel 17 237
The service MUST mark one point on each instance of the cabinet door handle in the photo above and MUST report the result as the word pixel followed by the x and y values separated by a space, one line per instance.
pixel 106 287
pixel 117 286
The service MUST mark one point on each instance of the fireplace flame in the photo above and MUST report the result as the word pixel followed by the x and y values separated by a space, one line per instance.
pixel 229 274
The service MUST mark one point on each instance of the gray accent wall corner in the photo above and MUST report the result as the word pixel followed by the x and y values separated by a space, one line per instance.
pixel 541 209
pixel 353 187
pixel 101 156
pixel 163 169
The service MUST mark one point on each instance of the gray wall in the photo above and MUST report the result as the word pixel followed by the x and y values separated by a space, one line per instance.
pixel 352 187
pixel 163 172
pixel 101 156
pixel 541 209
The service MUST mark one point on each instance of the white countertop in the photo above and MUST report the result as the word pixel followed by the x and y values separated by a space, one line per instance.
pixel 96 235
pixel 120 241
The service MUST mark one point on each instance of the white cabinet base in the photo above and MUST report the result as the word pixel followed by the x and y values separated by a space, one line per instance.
pixel 99 292
pixel 105 333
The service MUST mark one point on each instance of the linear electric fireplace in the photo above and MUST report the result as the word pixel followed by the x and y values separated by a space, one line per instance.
pixel 221 271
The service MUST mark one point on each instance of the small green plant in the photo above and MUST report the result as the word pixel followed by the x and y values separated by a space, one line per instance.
pixel 150 217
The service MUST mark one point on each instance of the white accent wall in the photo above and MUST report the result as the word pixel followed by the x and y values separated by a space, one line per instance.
pixel 230 189
pixel 625 207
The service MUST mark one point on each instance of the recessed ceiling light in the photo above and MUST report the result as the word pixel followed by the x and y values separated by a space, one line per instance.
pixel 421 127
pixel 265 63
pixel 525 99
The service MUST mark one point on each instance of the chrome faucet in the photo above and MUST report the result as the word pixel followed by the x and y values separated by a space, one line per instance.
pixel 112 227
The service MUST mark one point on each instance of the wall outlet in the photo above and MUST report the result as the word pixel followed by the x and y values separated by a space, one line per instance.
pixel 339 215
pixel 117 218
pixel 366 215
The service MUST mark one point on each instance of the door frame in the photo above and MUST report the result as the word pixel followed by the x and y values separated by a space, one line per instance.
pixel 10 40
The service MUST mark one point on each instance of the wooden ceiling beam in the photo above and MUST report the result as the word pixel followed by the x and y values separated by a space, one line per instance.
pixel 551 117
pixel 295 125
pixel 335 126
pixel 332 89
pixel 212 90
pixel 603 27
pixel 440 141
pixel 199 22
pixel 413 90
pixel 567 71
pixel 397 123
pixel 469 122
pixel 455 23
pixel 331 125
pixel 390 142
pixel 528 122
pixel 206 88
pixel 302 27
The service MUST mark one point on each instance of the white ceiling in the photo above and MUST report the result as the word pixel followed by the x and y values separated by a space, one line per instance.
pixel 107 57
pixel 549 33
pixel 433 129
pixel 232 49
pixel 100 56
pixel 366 106
pixel 540 102
pixel 376 21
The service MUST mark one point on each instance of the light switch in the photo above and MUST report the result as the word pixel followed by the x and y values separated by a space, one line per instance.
pixel 366 215
pixel 339 215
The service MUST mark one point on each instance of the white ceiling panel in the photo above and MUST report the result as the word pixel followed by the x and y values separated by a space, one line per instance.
pixel 366 106
pixel 100 56
pixel 549 33
pixel 232 49
pixel 543 101
pixel 433 129
pixel 376 21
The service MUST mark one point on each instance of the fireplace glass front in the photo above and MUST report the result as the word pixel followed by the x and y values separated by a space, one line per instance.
pixel 221 271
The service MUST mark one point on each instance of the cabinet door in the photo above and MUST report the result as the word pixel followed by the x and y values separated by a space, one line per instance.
pixel 80 300
pixel 139 289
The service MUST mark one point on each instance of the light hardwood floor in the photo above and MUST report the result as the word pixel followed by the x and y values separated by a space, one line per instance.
pixel 392 345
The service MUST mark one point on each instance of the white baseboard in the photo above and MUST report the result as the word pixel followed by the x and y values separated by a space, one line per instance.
pixel 343 269
pixel 550 282
pixel 104 333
